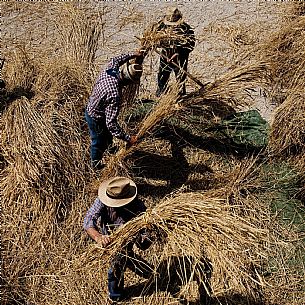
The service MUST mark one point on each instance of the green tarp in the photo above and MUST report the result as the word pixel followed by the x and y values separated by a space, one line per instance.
pixel 246 128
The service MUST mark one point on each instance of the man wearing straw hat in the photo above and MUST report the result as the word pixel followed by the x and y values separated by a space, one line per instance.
pixel 105 102
pixel 116 204
pixel 175 50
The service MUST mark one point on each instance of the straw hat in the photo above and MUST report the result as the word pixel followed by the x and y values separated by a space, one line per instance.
pixel 131 71
pixel 173 16
pixel 117 191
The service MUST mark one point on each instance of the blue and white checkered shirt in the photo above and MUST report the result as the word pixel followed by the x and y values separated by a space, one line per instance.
pixel 104 102
pixel 106 219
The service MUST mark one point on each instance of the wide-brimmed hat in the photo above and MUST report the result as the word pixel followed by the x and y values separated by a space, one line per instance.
pixel 173 16
pixel 117 191
pixel 131 71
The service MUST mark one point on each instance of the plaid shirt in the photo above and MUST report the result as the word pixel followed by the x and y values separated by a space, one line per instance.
pixel 105 219
pixel 104 102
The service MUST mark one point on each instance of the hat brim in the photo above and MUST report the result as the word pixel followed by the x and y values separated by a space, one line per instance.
pixel 167 22
pixel 114 202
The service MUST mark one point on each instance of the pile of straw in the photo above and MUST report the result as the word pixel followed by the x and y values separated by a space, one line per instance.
pixel 20 72
pixel 284 51
pixel 202 229
pixel 287 136
pixel 225 92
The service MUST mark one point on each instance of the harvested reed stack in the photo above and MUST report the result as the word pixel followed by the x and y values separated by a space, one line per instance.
pixel 44 176
pixel 226 95
pixel 284 52
pixel 227 88
pixel 232 87
pixel 20 71
pixel 293 10
pixel 152 38
pixel 201 229
pixel 60 82
pixel 287 136
pixel 80 35
pixel 31 148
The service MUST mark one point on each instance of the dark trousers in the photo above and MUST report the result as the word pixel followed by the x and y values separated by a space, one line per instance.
pixel 101 139
pixel 165 70
pixel 126 259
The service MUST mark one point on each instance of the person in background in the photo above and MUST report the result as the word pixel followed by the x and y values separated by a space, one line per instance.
pixel 105 102
pixel 116 204
pixel 174 52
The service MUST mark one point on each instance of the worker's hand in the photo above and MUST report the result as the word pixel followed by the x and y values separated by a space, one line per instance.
pixel 103 240
pixel 133 140
pixel 141 52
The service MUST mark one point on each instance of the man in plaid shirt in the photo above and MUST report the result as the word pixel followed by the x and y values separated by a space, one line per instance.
pixel 104 105
pixel 116 204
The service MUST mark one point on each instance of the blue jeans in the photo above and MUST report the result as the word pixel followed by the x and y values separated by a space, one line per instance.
pixel 125 259
pixel 101 139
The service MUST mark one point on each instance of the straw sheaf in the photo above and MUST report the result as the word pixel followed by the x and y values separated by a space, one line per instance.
pixel 152 38
pixel 284 51
pixel 287 136
pixel 201 227
pixel 21 72
pixel 62 81
pixel 43 176
pixel 163 109
pixel 80 36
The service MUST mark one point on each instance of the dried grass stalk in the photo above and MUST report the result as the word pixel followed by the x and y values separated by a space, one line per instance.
pixel 116 164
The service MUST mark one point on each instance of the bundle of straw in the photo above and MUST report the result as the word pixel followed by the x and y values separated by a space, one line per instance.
pixel 202 229
pixel 154 38
pixel 45 173
pixel 287 136
pixel 60 81
pixel 162 110
pixel 284 51
pixel 79 34
pixel 20 71
pixel 226 88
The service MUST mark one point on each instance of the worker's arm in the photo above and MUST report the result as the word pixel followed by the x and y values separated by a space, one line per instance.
pixel 112 113
pixel 90 223
pixel 101 239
